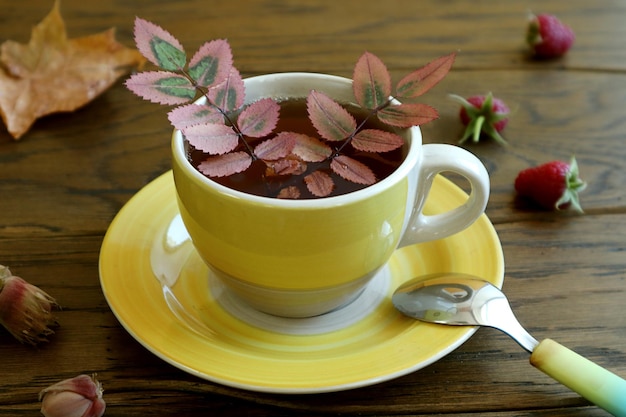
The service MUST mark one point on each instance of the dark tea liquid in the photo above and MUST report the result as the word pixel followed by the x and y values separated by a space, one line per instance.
pixel 294 118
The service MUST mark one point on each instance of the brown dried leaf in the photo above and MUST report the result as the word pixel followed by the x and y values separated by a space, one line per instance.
pixel 55 74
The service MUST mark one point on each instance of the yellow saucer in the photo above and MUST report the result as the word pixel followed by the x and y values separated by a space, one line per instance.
pixel 163 295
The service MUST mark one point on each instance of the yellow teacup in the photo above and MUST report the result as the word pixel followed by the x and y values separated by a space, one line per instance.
pixel 301 258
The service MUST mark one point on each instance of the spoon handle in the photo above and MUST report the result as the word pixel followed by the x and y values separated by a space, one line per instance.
pixel 591 381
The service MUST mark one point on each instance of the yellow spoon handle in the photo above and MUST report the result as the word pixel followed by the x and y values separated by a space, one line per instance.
pixel 591 381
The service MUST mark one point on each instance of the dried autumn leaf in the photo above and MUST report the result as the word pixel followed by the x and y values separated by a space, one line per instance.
pixel 225 165
pixel 55 74
pixel 352 170
pixel 331 121
pixel 371 81
pixel 319 183
pixel 259 118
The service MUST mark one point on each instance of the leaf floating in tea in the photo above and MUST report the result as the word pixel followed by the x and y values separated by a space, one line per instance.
pixel 319 183
pixel 276 148
pixel 375 140
pixel 311 149
pixel 371 82
pixel 259 118
pixel 55 74
pixel 331 120
pixel 423 79
pixel 407 114
pixel 286 166
pixel 289 193
pixel 352 170
pixel 211 64
pixel 225 165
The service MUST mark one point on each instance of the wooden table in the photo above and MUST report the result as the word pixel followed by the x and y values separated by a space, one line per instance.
pixel 64 182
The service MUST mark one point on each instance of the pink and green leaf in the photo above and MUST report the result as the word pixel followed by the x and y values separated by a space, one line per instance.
pixel 375 140
pixel 319 183
pixel 371 82
pixel 423 79
pixel 161 87
pixel 212 138
pixel 259 118
pixel 212 63
pixel 229 94
pixel 329 118
pixel 310 149
pixel 276 148
pixel 407 114
pixel 159 46
pixel 352 170
pixel 225 165
pixel 194 114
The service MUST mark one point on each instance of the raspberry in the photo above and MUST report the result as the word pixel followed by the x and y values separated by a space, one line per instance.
pixel 553 185
pixel 548 36
pixel 483 114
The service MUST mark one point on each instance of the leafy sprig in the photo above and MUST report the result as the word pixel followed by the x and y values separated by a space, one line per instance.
pixel 234 135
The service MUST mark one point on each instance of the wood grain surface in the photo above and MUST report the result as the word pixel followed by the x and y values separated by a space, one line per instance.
pixel 63 183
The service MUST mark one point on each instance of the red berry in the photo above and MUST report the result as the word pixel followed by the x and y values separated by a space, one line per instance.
pixel 553 185
pixel 483 114
pixel 548 36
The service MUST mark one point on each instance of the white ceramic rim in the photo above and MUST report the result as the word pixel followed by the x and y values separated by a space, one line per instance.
pixel 411 159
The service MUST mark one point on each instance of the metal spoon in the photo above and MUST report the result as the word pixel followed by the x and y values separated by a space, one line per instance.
pixel 465 300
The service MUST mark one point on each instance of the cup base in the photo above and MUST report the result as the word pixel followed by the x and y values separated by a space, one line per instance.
pixel 359 306
pixel 294 303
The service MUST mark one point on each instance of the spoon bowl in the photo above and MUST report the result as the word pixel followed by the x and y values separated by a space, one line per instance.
pixel 464 300
pixel 461 300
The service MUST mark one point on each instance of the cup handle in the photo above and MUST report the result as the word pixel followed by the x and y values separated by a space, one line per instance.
pixel 438 158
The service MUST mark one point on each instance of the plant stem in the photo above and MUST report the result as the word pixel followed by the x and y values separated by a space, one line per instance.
pixel 229 121
pixel 359 127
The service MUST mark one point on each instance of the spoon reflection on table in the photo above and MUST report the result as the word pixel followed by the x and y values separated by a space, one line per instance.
pixel 465 300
